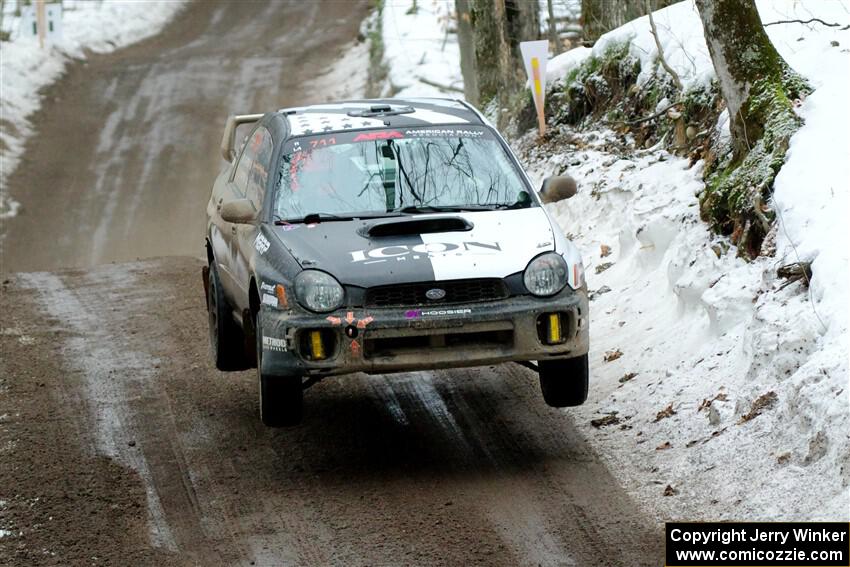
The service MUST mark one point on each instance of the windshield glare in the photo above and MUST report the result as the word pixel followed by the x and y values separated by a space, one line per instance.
pixel 377 172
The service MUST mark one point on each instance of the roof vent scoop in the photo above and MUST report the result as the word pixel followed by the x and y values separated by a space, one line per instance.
pixel 418 226
pixel 382 110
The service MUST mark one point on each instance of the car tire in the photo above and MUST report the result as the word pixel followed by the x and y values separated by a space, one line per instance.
pixel 564 382
pixel 226 342
pixel 281 397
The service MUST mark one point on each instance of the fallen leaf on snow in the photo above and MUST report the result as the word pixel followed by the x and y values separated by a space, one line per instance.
pixel 613 355
pixel 604 250
pixel 610 419
pixel 602 267
pixel 627 376
pixel 706 403
pixel 664 446
pixel 763 402
pixel 666 412
pixel 670 491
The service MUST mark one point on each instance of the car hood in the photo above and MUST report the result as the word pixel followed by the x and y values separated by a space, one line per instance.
pixel 493 244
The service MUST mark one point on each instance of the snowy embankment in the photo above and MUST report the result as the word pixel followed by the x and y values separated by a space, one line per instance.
pixel 98 27
pixel 714 383
pixel 717 390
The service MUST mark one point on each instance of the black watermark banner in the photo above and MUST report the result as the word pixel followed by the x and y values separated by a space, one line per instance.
pixel 758 544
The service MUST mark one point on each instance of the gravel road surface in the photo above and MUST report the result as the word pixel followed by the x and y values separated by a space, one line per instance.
pixel 121 444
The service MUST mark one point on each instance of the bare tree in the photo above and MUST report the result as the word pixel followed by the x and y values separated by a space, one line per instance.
pixel 758 87
pixel 554 40
pixel 492 50
pixel 600 16
pixel 499 26
pixel 466 43
pixel 746 63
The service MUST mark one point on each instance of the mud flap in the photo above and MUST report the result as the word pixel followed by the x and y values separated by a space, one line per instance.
pixel 250 334
pixel 205 272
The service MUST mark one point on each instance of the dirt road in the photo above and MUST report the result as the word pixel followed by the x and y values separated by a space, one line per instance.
pixel 119 439
pixel 126 149
pixel 121 444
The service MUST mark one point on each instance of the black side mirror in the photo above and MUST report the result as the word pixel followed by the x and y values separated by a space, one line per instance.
pixel 557 188
pixel 238 211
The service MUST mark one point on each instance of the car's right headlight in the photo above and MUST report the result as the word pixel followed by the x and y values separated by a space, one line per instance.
pixel 318 291
pixel 546 274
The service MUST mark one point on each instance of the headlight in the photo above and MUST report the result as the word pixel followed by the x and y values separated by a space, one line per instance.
pixel 546 274
pixel 318 291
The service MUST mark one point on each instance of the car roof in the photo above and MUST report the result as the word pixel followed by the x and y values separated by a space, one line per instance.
pixel 349 115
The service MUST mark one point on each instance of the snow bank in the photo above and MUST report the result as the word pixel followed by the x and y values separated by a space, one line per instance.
pixel 732 389
pixel 421 53
pixel 98 27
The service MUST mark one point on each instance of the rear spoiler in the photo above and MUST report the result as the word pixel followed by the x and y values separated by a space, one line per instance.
pixel 228 141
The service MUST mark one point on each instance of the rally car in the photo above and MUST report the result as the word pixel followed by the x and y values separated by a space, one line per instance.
pixel 382 236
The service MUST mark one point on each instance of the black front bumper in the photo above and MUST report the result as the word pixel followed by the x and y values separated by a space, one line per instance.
pixel 381 340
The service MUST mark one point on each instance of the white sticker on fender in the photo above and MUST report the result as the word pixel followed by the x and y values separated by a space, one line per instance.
pixel 262 244
pixel 277 345
pixel 270 300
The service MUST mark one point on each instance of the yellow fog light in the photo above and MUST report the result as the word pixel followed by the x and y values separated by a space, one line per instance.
pixel 317 347
pixel 554 328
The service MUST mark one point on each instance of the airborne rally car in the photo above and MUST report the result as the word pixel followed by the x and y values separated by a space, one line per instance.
pixel 386 235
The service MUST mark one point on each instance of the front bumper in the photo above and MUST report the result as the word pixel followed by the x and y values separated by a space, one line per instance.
pixel 381 340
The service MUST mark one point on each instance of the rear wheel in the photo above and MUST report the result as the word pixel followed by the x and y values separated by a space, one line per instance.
pixel 564 383
pixel 226 343
pixel 281 397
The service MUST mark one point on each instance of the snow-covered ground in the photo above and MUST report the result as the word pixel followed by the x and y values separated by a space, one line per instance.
pixel 727 393
pixel 421 49
pixel 731 389
pixel 25 68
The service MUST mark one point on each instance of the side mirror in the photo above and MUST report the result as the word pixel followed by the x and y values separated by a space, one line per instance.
pixel 557 188
pixel 238 211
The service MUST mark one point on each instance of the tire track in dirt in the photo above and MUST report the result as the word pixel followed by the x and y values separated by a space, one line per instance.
pixel 126 149
pixel 445 468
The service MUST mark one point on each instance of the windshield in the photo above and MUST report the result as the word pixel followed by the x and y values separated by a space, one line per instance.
pixel 375 173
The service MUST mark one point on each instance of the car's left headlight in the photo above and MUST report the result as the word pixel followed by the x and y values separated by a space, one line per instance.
pixel 318 291
pixel 546 274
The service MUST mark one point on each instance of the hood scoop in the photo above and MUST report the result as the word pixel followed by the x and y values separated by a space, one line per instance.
pixel 417 226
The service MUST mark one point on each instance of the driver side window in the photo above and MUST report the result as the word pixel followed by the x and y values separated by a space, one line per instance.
pixel 246 160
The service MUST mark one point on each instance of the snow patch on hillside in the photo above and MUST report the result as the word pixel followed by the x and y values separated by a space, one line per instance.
pixel 421 49
pixel 98 27
pixel 731 393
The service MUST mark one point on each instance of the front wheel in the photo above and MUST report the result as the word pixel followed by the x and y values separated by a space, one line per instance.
pixel 281 397
pixel 564 383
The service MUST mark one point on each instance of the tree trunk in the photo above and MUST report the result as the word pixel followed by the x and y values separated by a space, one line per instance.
pixel 599 17
pixel 466 44
pixel 743 56
pixel 758 87
pixel 554 40
pixel 492 51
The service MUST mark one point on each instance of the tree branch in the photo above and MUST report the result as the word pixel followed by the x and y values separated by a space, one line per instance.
pixel 809 21
pixel 437 85
pixel 676 80
pixel 645 118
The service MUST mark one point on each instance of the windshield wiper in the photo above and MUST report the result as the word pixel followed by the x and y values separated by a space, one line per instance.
pixel 453 208
pixel 313 218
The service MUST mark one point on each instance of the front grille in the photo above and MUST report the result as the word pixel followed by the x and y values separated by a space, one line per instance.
pixel 457 291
